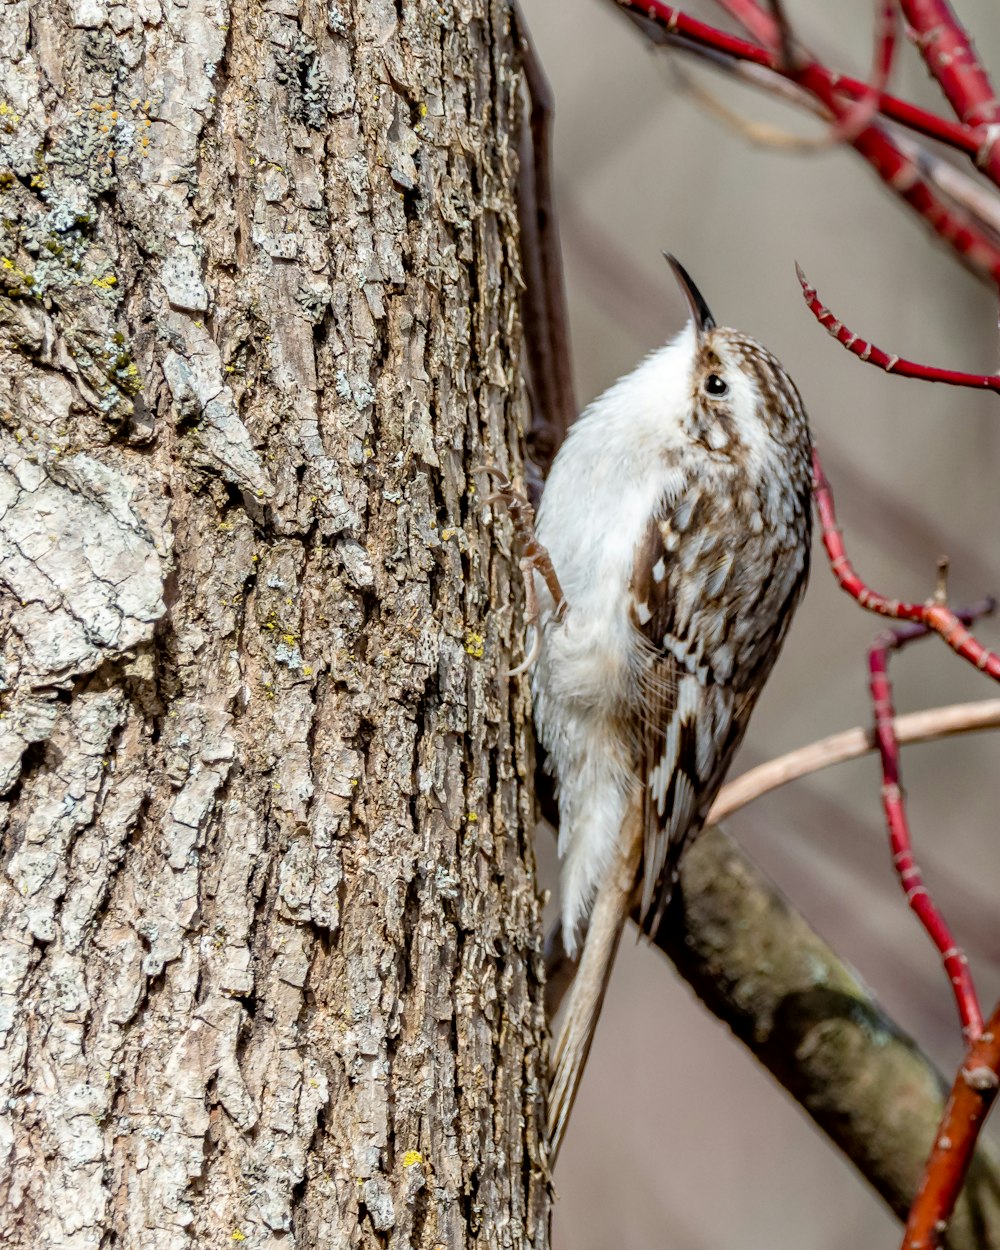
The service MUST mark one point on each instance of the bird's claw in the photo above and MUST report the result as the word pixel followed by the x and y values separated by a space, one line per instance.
pixel 535 559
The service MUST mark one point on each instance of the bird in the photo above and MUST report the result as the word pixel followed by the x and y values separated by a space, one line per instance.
pixel 670 552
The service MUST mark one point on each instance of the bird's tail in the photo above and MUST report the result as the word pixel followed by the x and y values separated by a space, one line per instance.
pixel 586 996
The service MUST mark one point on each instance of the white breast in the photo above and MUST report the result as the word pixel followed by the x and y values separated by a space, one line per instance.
pixel 603 488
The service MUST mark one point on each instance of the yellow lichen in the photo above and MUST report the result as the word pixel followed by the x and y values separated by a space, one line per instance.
pixel 475 645
pixel 411 1157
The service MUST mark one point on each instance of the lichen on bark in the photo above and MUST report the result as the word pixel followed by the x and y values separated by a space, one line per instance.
pixel 269 959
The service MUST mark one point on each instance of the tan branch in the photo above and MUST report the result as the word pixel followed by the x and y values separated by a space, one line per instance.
pixel 813 1023
pixel 926 726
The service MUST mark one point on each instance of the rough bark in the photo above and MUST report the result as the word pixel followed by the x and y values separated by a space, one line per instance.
pixel 269 956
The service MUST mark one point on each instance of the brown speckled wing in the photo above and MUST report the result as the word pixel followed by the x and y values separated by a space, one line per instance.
pixel 692 717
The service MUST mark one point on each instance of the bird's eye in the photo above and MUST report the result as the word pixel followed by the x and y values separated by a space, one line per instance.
pixel 714 385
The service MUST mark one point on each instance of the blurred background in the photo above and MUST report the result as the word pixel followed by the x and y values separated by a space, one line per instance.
pixel 678 1138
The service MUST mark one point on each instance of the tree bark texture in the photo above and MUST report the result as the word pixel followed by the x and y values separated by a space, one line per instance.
pixel 269 955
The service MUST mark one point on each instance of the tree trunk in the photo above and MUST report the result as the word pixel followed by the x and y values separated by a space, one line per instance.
pixel 269 956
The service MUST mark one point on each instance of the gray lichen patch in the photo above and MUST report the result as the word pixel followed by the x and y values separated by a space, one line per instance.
pixel 44 244
pixel 301 71
pixel 60 299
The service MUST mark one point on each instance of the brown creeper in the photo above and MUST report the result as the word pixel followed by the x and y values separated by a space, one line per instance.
pixel 677 519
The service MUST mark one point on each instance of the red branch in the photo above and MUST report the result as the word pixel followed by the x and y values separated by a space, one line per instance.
pixel 894 167
pixel 919 120
pixel 946 49
pixel 873 355
pixel 937 617
pixel 899 172
pixel 968 1104
pixel 864 111
pixel 763 27
pixel 893 803
pixel 754 21
pixel 976 1084
pixel 951 58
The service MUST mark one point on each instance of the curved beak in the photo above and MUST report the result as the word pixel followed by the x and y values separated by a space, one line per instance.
pixel 700 315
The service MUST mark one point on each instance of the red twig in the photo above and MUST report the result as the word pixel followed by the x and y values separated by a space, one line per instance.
pixel 946 49
pixel 754 21
pixel 968 1104
pixel 893 166
pixel 919 120
pixel 776 37
pixel 866 108
pixel 873 355
pixel 910 878
pixel 951 58
pixel 903 176
pixel 936 616
pixel 976 1083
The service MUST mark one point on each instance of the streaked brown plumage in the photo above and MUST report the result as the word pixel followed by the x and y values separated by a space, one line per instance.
pixel 677 517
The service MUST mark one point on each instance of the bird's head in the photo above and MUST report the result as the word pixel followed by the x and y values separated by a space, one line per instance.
pixel 739 394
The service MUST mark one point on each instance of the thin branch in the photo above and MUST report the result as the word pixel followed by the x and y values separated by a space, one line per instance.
pixel 851 744
pixel 855 119
pixel 936 616
pixel 873 355
pixel 969 1103
pixel 758 24
pixel 818 1030
pixel 866 108
pixel 786 46
pixel 894 804
pixel 968 192
pixel 673 21
pixel 976 248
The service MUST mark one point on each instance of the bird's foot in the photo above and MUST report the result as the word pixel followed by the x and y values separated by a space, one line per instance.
pixel 535 559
